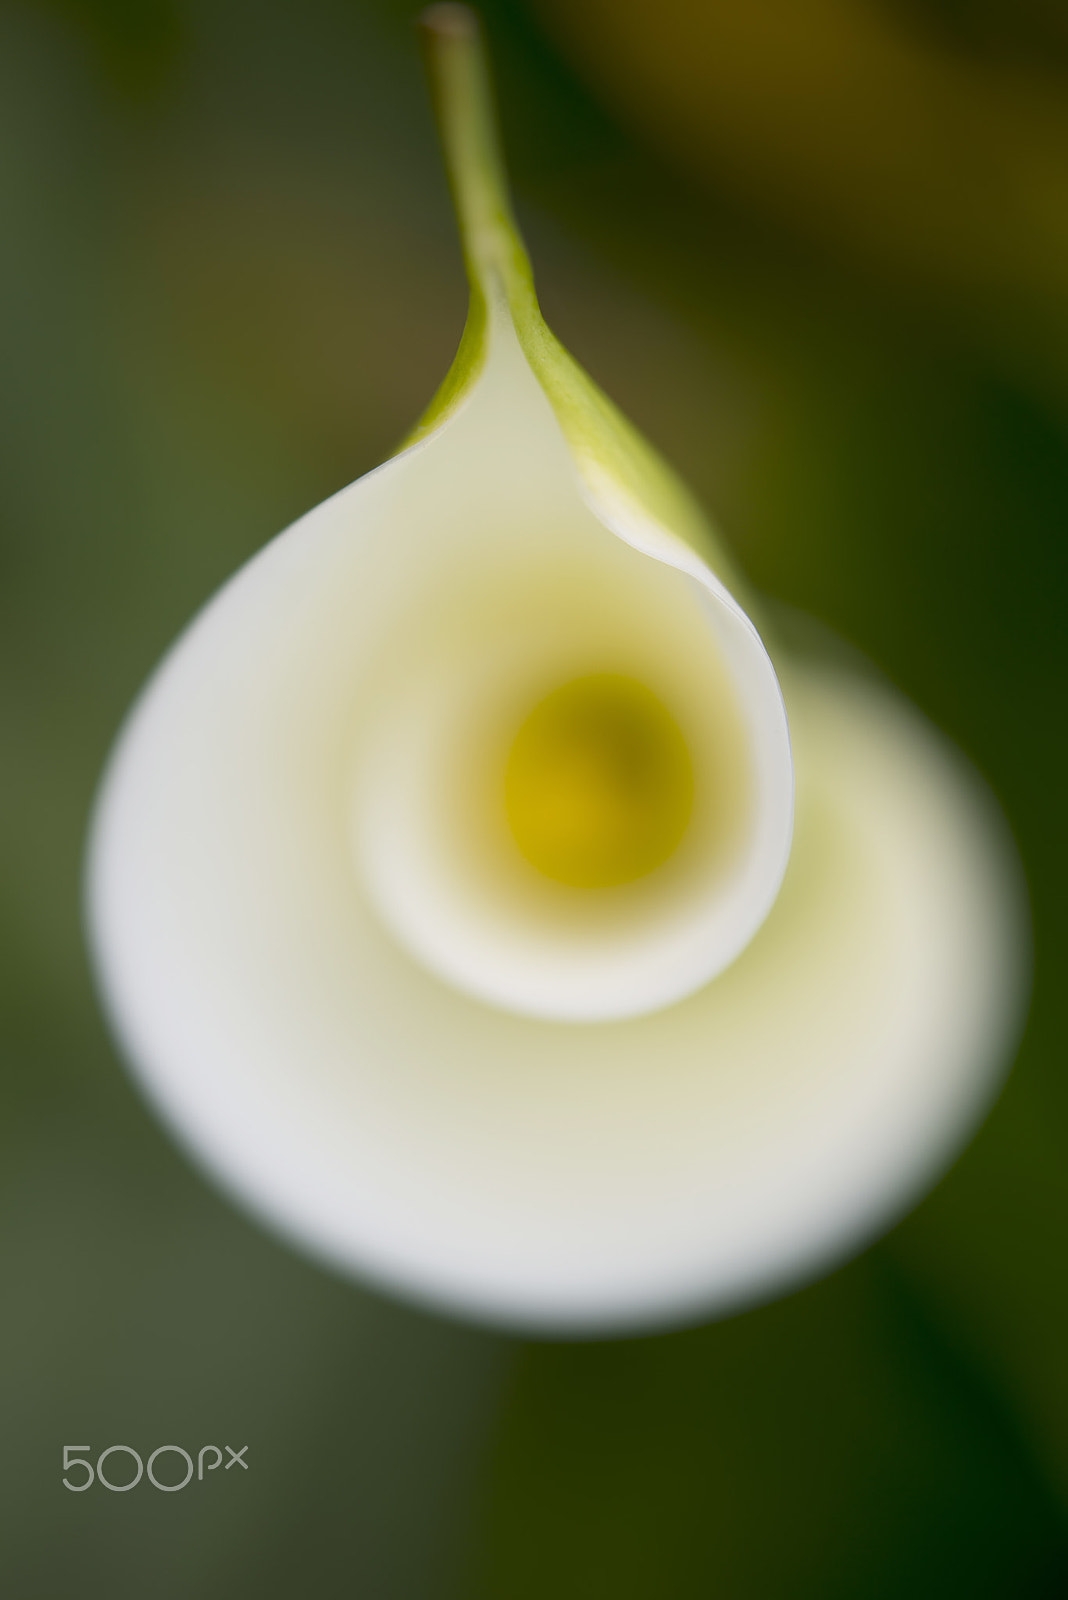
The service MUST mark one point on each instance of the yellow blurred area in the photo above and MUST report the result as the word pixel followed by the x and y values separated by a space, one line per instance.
pixel 599 783
pixel 869 126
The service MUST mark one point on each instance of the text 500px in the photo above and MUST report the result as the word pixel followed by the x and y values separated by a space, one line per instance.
pixel 209 1457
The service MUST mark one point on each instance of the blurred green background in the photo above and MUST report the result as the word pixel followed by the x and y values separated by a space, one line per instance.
pixel 818 250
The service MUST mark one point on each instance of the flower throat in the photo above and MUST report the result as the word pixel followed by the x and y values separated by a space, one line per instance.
pixel 599 783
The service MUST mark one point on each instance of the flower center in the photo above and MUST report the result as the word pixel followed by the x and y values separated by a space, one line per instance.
pixel 599 783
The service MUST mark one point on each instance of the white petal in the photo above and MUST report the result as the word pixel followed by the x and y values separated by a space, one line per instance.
pixel 275 903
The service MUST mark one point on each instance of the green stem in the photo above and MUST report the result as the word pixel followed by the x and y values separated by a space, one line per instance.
pixel 463 101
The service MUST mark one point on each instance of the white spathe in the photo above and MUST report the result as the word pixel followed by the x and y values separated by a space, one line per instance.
pixel 393 1041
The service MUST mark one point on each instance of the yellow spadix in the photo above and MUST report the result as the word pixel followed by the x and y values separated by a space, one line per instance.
pixel 599 783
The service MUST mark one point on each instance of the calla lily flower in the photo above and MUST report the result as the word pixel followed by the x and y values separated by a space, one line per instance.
pixel 447 894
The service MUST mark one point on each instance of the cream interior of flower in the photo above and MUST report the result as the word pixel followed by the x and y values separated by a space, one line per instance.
pixel 571 787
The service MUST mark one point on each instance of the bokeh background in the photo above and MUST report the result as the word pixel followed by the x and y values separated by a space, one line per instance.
pixel 818 250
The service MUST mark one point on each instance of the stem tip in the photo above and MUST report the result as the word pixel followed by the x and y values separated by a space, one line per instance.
pixel 449 20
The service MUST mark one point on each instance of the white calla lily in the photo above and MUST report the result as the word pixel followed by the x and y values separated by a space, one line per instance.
pixel 437 881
